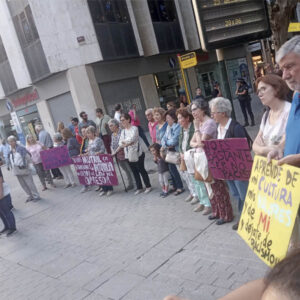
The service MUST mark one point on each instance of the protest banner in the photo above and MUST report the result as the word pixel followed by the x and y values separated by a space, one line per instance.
pixel 270 209
pixel 55 158
pixel 95 169
pixel 229 159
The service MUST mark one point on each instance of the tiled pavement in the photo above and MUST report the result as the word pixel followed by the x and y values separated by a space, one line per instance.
pixel 81 246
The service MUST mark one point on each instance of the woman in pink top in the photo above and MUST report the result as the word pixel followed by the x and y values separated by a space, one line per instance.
pixel 35 148
pixel 151 124
pixel 136 122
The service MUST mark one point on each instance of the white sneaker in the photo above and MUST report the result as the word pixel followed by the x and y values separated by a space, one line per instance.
pixel 189 198
pixel 102 193
pixel 109 193
pixel 148 190
pixel 84 189
pixel 138 192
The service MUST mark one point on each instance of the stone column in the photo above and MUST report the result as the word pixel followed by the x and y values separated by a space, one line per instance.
pixel 46 117
pixel 85 90
pixel 149 91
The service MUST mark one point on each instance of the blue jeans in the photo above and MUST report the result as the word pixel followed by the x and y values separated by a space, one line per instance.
pixel 238 190
pixel 6 215
pixel 177 182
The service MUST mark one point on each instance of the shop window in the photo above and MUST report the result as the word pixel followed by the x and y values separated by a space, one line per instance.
pixel 169 85
pixel 162 10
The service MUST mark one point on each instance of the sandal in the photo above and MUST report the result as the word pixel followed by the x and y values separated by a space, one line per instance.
pixel 178 192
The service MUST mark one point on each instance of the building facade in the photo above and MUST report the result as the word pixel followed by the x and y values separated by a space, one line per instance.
pixel 61 57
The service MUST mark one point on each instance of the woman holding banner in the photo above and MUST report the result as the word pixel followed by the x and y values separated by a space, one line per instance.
pixel 227 128
pixel 96 146
pixel 65 170
pixel 20 159
pixel 114 126
pixel 35 148
pixel 206 129
pixel 272 91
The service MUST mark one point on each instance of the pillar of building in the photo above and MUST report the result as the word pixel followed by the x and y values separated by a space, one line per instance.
pixel 85 90
pixel 149 91
pixel 192 81
pixel 46 117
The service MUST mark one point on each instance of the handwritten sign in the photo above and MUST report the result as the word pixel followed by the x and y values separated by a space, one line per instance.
pixel 95 170
pixel 229 159
pixel 270 209
pixel 55 158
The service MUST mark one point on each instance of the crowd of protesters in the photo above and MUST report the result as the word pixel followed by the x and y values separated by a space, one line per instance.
pixel 177 135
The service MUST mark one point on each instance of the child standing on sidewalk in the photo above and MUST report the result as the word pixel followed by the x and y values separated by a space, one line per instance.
pixel 163 169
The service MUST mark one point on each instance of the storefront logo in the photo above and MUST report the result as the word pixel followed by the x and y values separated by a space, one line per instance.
pixel 25 99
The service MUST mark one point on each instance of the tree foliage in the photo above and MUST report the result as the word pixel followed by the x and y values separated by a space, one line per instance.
pixel 281 12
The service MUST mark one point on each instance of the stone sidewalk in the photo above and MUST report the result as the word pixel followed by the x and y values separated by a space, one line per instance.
pixel 80 246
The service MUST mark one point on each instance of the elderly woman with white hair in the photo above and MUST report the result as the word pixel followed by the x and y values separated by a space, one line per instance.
pixel 20 159
pixel 65 170
pixel 227 128
pixel 118 152
pixel 151 124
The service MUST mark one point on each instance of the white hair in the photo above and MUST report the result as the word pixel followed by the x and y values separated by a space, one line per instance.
pixel 114 122
pixel 149 111
pixel 57 136
pixel 221 105
pixel 292 45
pixel 11 138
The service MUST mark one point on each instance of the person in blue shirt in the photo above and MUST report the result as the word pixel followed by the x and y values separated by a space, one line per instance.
pixel 170 142
pixel 288 58
pixel 4 150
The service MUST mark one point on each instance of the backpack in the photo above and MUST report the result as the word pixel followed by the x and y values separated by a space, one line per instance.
pixel 231 132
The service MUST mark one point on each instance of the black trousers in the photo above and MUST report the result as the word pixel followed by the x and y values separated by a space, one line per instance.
pixel 138 170
pixel 6 215
pixel 143 136
pixel 246 107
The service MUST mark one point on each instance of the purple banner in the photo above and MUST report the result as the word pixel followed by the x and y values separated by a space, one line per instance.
pixel 95 169
pixel 55 158
pixel 229 159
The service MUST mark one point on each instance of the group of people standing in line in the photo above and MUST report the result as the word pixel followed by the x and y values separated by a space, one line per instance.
pixel 177 147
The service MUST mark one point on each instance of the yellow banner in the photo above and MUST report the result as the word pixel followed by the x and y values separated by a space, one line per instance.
pixel 188 60
pixel 270 209
pixel 294 27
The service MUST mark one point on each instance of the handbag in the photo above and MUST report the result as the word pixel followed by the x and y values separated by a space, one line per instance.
pixel 202 172
pixel 133 152
pixel 182 166
pixel 173 157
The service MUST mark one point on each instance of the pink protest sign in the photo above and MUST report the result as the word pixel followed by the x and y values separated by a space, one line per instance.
pixel 95 169
pixel 55 158
pixel 229 159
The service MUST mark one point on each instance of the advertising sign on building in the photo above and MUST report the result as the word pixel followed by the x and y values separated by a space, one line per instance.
pixel 188 60
pixel 224 23
pixel 18 127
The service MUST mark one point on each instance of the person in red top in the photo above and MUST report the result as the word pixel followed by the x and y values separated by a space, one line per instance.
pixel 75 122
pixel 136 122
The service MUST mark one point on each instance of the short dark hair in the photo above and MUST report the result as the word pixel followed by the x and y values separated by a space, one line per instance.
pixel 172 103
pixel 172 114
pixel 99 110
pixel 81 114
pixel 126 117
pixel 277 83
pixel 201 104
pixel 185 114
pixel 285 276
pixel 156 147
pixel 75 120
pixel 118 107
